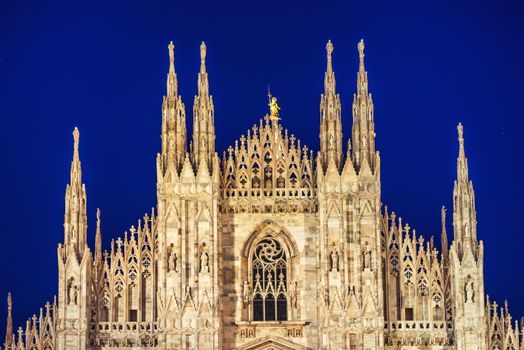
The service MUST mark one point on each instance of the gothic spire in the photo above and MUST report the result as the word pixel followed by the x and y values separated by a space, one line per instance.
pixel 203 117
pixel 75 223
pixel 203 84
pixel 444 237
pixel 173 120
pixel 330 119
pixel 9 336
pixel 172 83
pixel 363 118
pixel 464 213
pixel 98 239
pixel 329 77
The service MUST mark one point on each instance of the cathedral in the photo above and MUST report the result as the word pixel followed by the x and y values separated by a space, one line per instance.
pixel 269 246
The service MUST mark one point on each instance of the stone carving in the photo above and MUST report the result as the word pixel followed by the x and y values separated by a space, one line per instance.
pixel 72 292
pixel 367 257
pixel 172 260
pixel 246 293
pixel 334 260
pixel 293 295
pixel 469 290
pixel 204 262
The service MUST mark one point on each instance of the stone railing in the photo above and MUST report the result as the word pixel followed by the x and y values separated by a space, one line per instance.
pixel 124 334
pixel 418 333
pixel 276 200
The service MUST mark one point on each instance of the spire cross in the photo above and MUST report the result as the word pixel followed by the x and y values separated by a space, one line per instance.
pixel 361 53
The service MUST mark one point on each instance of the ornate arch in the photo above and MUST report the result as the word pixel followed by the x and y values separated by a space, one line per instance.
pixel 270 227
pixel 268 272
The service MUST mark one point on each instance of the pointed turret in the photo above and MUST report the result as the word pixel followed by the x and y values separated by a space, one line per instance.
pixel 98 240
pixel 444 240
pixel 75 220
pixel 9 343
pixel 203 117
pixel 330 119
pixel 464 213
pixel 173 119
pixel 363 119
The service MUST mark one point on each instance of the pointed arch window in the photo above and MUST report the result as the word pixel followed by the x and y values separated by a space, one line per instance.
pixel 269 280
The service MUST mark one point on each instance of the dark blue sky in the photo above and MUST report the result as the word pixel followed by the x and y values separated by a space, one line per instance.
pixel 102 67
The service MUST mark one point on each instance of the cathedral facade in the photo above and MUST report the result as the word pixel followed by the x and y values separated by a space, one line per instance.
pixel 269 246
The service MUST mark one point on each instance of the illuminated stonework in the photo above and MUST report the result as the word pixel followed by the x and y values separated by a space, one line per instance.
pixel 269 247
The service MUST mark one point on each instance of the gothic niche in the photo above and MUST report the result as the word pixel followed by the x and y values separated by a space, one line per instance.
pixel 366 257
pixel 334 261
pixel 204 260
pixel 269 281
pixel 72 291
pixel 172 259
pixel 469 290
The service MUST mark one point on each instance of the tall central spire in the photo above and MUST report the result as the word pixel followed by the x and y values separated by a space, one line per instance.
pixel 464 212
pixel 330 119
pixel 75 221
pixel 203 116
pixel 363 118
pixel 173 119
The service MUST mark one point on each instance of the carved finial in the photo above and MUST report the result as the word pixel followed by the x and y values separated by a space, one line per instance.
pixel 171 48
pixel 203 53
pixel 98 216
pixel 9 302
pixel 443 216
pixel 361 52
pixel 329 50
pixel 76 138
pixel 460 130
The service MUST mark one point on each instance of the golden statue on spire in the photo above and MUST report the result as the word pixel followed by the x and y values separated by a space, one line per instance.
pixel 273 106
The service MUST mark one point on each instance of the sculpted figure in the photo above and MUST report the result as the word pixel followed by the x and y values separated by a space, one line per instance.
pixel 246 293
pixel 367 257
pixel 273 107
pixel 204 262
pixel 172 261
pixel 73 292
pixel 293 297
pixel 334 260
pixel 469 290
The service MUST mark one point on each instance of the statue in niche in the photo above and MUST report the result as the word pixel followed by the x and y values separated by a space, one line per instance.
pixel 293 294
pixel 172 260
pixel 72 292
pixel 367 257
pixel 469 290
pixel 334 260
pixel 268 175
pixel 246 293
pixel 331 141
pixel 204 262
pixel 466 229
pixel 203 143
